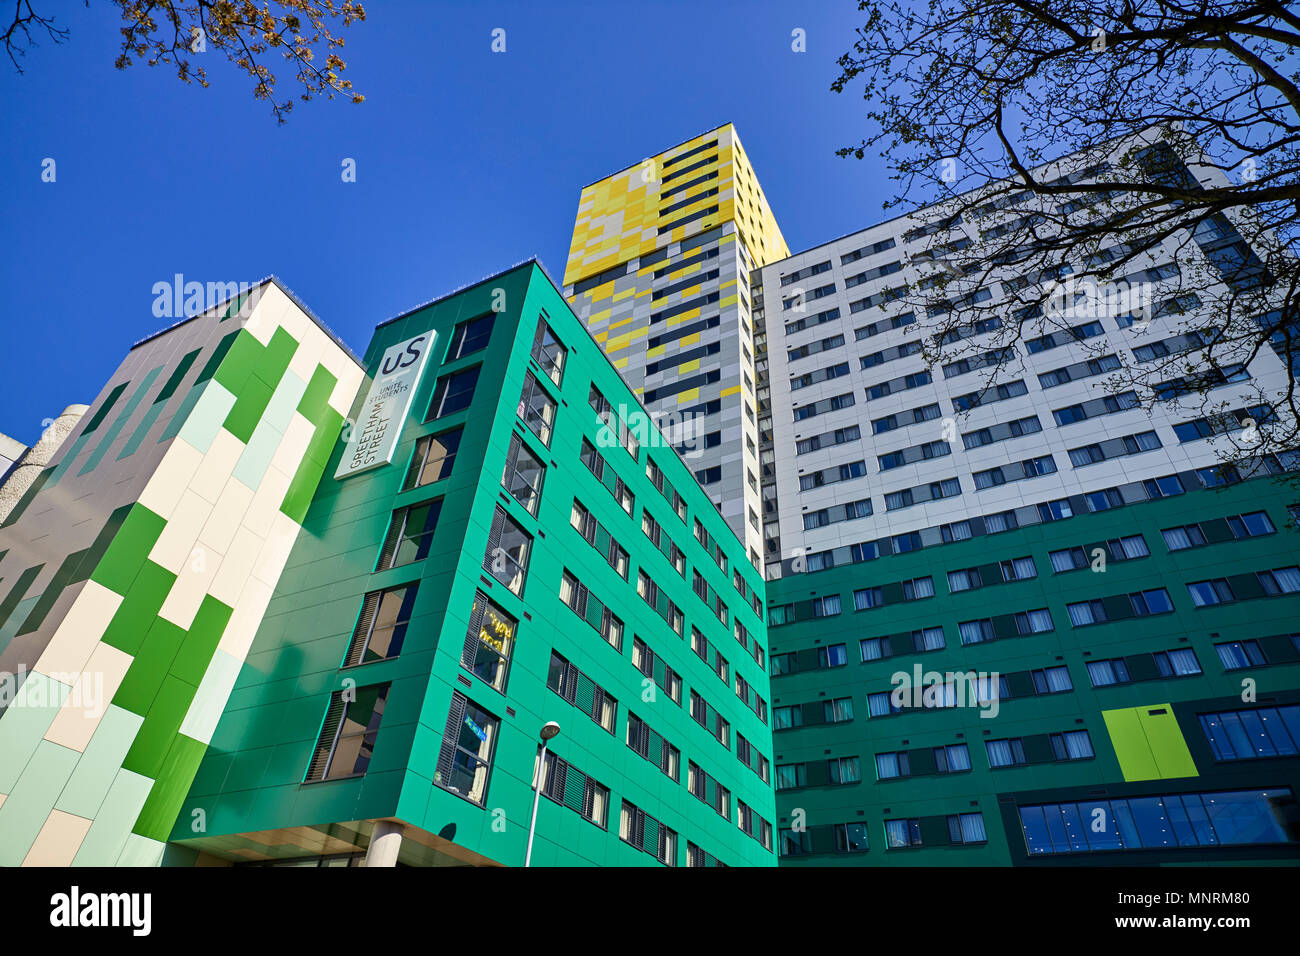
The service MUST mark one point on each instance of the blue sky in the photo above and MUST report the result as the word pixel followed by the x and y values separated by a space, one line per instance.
pixel 467 162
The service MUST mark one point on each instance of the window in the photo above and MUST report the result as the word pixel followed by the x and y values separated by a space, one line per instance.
pixel 826 606
pixel 432 459
pixel 796 843
pixel 548 352
pixel 850 837
pixel 707 789
pixel 580 690
pixel 453 393
pixel 381 626
pixel 791 776
pixel 647 834
pixel 890 766
pixel 1182 538
pixel 489 642
pixel 976 632
pixel 410 534
pixel 838 710
pixel 1055 510
pixel 347 736
pixel 653 747
pixel 1253 733
pixel 507 552
pixel 650 665
pixel 1154 601
pixel 1002 521
pixel 954 758
pixel 1034 622
pixel 1084 613
pixel 1104 500
pixel 1216 591
pixel 1280 580
pixel 1051 680
pixel 1165 487
pixel 868 598
pixel 844 770
pixel 523 475
pixel 966 828
pixel 1072 745
pixel 928 639
pixel 1006 753
pixel 465 761
pixel 537 409
pixel 918 588
pixel 1251 525
pixel 1019 569
pixel 1105 673
pixel 470 336
pixel 1234 655
pixel 880 704
pixel 871 649
pixel 567 785
pixel 1160 822
pixel 902 833
pixel 834 655
pixel 1181 662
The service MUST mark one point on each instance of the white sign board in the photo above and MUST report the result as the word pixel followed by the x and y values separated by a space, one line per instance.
pixel 379 424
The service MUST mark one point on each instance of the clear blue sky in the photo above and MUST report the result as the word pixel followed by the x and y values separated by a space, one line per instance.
pixel 467 162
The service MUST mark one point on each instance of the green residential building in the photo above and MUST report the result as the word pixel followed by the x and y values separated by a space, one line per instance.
pixel 1146 661
pixel 530 551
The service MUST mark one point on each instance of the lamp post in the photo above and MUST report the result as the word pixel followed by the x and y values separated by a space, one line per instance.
pixel 549 730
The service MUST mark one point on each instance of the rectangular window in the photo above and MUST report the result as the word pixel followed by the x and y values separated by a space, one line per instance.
pixel 470 336
pixel 1215 591
pixel 1105 673
pixel 902 833
pixel 508 548
pixel 966 828
pixel 489 642
pixel 432 459
pixel 1180 662
pixel 523 475
pixel 1253 733
pixel 568 786
pixel 1235 655
pixel 647 834
pixel 548 352
pixel 453 393
pixel 347 736
pixel 581 691
pixel 381 627
pixel 410 534
pixel 468 742
pixel 537 409
pixel 1160 822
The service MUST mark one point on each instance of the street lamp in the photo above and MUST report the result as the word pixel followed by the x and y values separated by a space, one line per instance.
pixel 549 729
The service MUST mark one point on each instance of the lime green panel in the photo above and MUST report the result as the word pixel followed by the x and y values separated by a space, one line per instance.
pixel 315 399
pixel 1168 746
pixel 130 549
pixel 168 792
pixel 145 676
pixel 1149 745
pixel 163 722
pixel 251 402
pixel 136 614
pixel 200 643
